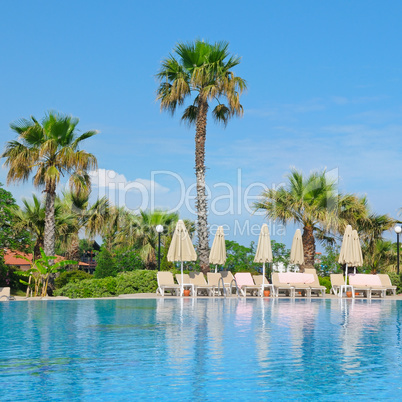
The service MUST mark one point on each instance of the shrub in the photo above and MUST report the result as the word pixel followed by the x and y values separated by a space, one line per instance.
pixel 70 276
pixel 105 265
pixel 110 264
pixel 396 281
pixel 136 282
pixel 104 287
pixel 325 281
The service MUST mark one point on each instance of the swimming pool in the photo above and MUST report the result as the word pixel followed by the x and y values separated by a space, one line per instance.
pixel 204 349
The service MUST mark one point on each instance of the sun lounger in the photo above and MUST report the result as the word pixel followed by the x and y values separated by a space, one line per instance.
pixel 186 283
pixel 299 282
pixel 215 281
pixel 166 283
pixel 259 279
pixel 228 280
pixel 316 288
pixel 370 284
pixel 386 282
pixel 5 294
pixel 245 283
pixel 281 287
pixel 337 280
pixel 198 280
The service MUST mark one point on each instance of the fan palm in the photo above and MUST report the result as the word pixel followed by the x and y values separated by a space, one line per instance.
pixel 49 149
pixel 91 217
pixel 310 201
pixel 205 71
pixel 139 231
pixel 31 217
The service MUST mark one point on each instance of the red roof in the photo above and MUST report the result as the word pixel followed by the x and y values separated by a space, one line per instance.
pixel 11 259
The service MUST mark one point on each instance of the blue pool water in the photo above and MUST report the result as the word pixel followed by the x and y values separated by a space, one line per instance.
pixel 202 350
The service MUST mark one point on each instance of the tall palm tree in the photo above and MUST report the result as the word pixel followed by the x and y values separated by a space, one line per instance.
pixel 49 149
pixel 310 201
pixel 205 71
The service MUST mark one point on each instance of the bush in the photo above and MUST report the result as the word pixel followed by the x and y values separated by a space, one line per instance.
pixel 325 281
pixel 10 278
pixel 396 281
pixel 126 282
pixel 110 264
pixel 105 287
pixel 136 282
pixel 70 276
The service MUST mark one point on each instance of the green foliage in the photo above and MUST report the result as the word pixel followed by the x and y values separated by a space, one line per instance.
pixel 120 261
pixel 140 281
pixel 70 276
pixel 104 287
pixel 105 265
pixel 240 258
pixel 9 277
pixel 329 261
pixel 280 254
pixel 325 281
pixel 143 281
pixel 396 280
pixel 9 236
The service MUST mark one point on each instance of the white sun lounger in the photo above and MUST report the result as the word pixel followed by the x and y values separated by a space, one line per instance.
pixel 166 283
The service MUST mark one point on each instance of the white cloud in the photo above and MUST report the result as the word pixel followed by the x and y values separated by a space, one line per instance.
pixel 105 178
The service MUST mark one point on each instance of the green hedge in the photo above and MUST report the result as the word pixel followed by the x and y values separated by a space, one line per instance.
pixel 396 281
pixel 325 281
pixel 125 283
pixel 70 276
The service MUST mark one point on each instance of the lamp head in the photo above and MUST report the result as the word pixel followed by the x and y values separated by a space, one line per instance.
pixel 159 228
pixel 398 229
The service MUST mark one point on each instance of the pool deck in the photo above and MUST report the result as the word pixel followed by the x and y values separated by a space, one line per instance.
pixel 154 296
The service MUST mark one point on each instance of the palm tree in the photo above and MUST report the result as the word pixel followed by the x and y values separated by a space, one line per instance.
pixel 31 217
pixel 50 149
pixel 91 217
pixel 139 231
pixel 310 201
pixel 205 71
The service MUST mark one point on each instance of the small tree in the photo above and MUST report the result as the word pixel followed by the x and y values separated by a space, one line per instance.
pixel 40 271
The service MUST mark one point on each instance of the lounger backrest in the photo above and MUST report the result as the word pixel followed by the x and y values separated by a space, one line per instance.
pixel 275 279
pixel 197 278
pixel 227 277
pixel 385 281
pixel 295 278
pixel 186 278
pixel 364 280
pixel 5 292
pixel 337 279
pixel 314 273
pixel 165 278
pixel 244 279
pixel 258 279
pixel 213 278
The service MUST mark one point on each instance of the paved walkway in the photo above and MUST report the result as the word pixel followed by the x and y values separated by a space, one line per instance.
pixel 154 296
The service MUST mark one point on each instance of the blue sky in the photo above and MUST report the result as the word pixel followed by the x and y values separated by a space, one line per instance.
pixel 324 91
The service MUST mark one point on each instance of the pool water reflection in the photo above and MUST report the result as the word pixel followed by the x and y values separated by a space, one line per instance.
pixel 201 349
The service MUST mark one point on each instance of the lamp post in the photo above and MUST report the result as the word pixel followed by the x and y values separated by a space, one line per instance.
pixel 398 230
pixel 159 229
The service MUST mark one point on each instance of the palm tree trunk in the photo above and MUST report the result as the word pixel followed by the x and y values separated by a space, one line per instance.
pixel 202 222
pixel 308 247
pixel 50 228
pixel 73 252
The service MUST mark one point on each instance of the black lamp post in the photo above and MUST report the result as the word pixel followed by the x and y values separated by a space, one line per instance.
pixel 159 229
pixel 398 230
